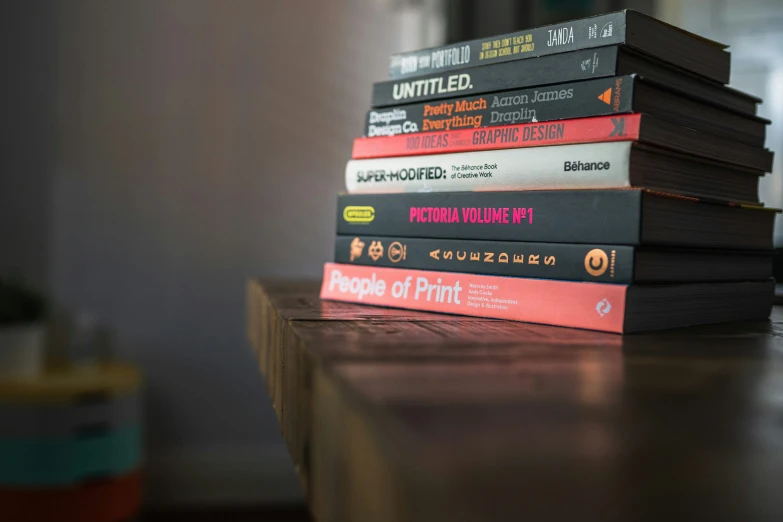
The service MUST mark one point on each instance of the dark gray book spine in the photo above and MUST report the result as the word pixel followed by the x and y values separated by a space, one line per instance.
pixel 570 262
pixel 546 70
pixel 558 216
pixel 601 97
pixel 575 35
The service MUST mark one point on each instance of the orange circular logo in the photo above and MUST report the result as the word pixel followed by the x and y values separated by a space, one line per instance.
pixel 396 252
pixel 596 262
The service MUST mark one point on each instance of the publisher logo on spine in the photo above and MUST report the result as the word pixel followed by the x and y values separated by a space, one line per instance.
pixel 596 262
pixel 375 250
pixel 603 307
pixel 397 252
pixel 618 89
pixel 357 245
pixel 359 215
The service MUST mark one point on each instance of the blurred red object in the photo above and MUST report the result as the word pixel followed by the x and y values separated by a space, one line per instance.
pixel 111 500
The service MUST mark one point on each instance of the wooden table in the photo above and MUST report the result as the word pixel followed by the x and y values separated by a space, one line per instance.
pixel 392 415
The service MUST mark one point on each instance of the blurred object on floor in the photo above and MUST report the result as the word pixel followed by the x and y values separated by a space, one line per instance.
pixel 103 501
pixel 71 445
pixel 257 514
pixel 23 312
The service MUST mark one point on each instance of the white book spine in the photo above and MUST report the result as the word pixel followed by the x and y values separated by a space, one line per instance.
pixel 583 166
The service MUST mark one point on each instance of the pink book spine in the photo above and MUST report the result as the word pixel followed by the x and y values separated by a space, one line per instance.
pixel 593 306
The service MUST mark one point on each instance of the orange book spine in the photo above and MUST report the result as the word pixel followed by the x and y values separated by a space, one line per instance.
pixel 593 306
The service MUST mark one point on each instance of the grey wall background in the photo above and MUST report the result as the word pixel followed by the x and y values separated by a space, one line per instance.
pixel 754 30
pixel 29 34
pixel 158 154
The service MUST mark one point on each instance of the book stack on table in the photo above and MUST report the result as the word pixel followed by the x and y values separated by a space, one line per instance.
pixel 595 174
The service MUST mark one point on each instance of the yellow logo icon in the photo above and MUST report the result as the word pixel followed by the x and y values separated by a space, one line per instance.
pixel 596 262
pixel 357 245
pixel 358 214
pixel 606 96
pixel 397 252
pixel 375 250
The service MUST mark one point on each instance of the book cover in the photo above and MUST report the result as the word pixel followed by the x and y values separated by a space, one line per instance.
pixel 631 28
pixel 593 306
pixel 560 68
pixel 590 32
pixel 600 97
pixel 564 132
pixel 561 261
pixel 593 165
pixel 612 217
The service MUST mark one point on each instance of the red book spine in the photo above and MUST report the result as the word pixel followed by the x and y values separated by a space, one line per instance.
pixel 563 132
pixel 593 306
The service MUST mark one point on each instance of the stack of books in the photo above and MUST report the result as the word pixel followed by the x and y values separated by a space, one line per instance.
pixel 595 174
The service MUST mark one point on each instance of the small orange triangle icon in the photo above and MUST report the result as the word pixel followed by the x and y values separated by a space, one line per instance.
pixel 606 96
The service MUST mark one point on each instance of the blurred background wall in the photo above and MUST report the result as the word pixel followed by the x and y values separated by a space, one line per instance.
pixel 159 153
pixel 754 29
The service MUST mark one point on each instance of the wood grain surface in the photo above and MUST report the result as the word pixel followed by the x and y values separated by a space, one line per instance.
pixel 392 415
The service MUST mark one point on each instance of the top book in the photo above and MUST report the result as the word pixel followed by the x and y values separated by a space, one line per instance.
pixel 668 43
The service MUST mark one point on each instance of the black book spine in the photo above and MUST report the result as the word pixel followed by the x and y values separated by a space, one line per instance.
pixel 597 31
pixel 560 68
pixel 601 97
pixel 570 262
pixel 547 216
